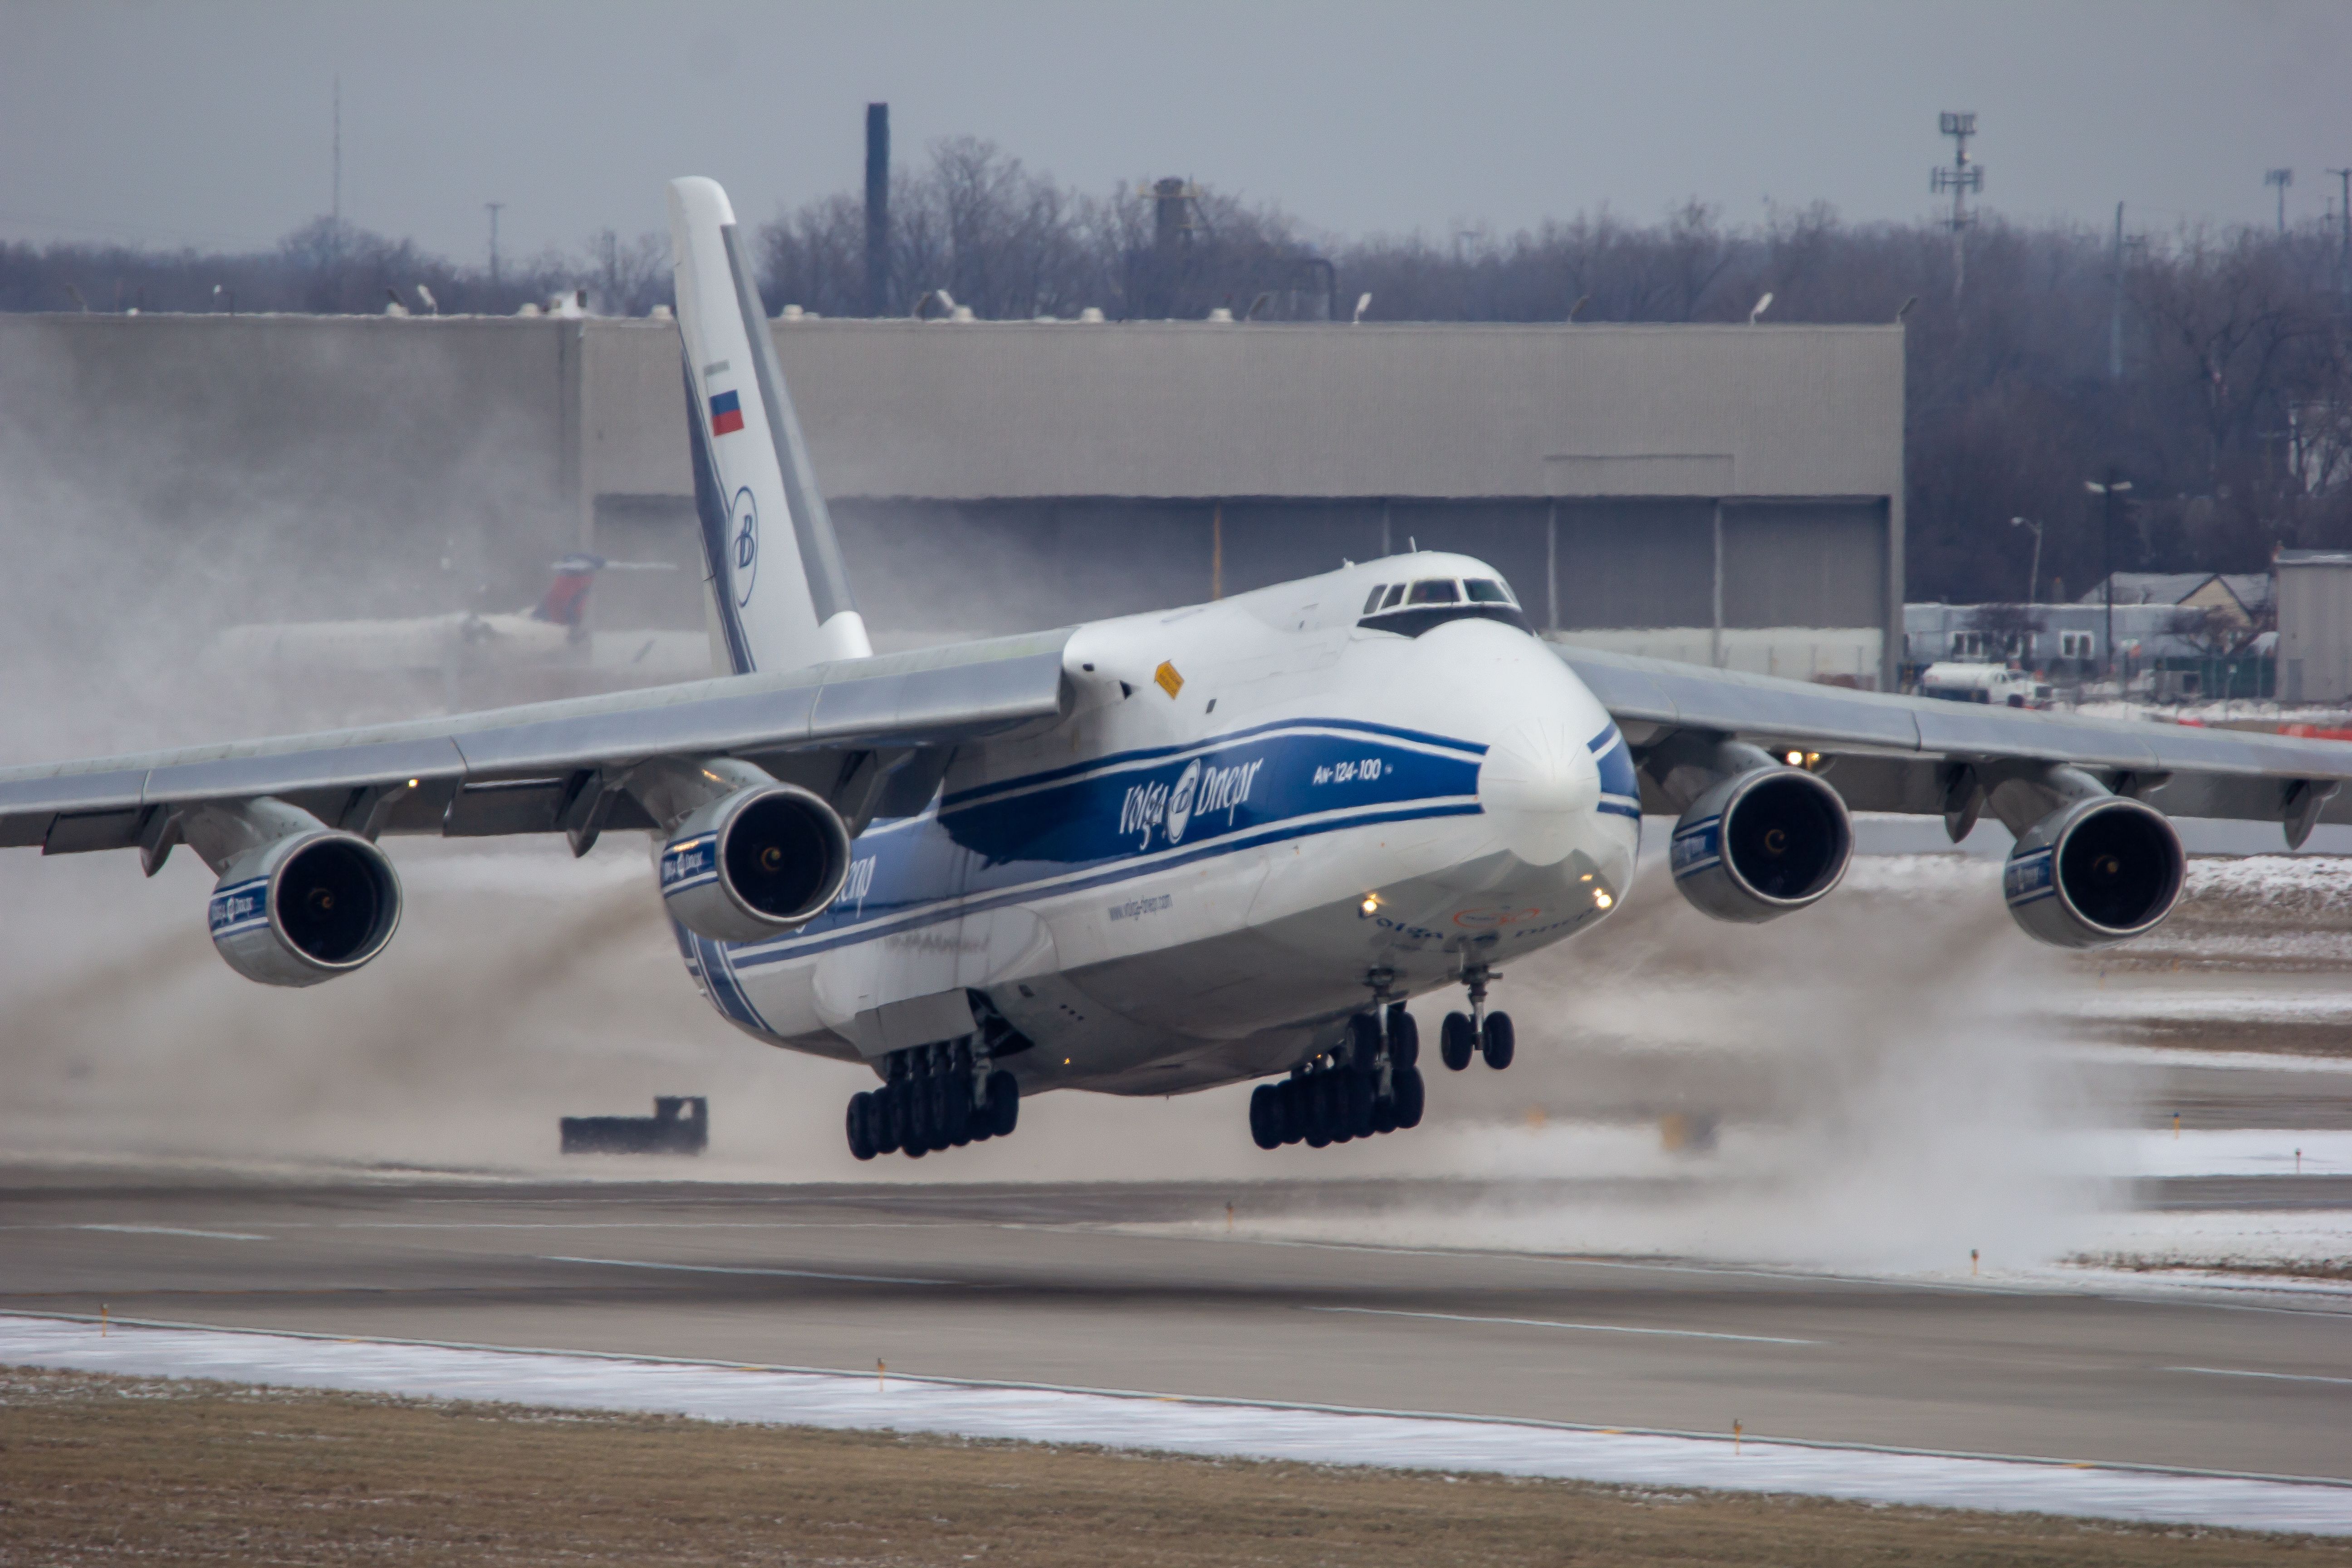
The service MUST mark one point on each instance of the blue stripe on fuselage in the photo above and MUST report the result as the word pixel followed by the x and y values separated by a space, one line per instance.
pixel 1132 814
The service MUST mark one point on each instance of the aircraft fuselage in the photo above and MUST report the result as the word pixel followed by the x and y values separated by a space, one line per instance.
pixel 1252 807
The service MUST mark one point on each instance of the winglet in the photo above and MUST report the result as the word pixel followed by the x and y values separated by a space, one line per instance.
pixel 776 581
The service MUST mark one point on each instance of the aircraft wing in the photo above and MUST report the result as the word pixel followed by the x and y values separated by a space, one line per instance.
pixel 865 733
pixel 1927 756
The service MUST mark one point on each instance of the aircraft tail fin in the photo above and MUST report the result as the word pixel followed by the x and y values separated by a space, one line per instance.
pixel 775 577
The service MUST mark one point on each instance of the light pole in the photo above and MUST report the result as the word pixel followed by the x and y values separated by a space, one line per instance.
pixel 2032 577
pixel 2112 488
pixel 2279 180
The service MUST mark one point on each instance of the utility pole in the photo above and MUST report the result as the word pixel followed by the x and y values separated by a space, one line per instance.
pixel 336 209
pixel 878 208
pixel 1960 179
pixel 2343 239
pixel 2279 180
pixel 2115 303
pixel 494 207
pixel 2112 488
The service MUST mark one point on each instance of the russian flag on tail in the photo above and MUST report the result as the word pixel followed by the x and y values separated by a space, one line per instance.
pixel 726 413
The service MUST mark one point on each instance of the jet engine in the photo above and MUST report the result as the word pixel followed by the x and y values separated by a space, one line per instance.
pixel 1761 843
pixel 2095 871
pixel 754 863
pixel 304 907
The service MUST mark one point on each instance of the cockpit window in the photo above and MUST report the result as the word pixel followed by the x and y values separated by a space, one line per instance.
pixel 1396 593
pixel 1486 590
pixel 1435 591
pixel 1373 601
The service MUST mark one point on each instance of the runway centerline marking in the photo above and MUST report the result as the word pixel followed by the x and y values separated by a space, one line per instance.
pixel 1552 1323
pixel 175 1231
pixel 773 1273
pixel 2272 1376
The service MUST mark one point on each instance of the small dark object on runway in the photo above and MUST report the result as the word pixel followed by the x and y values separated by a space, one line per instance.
pixel 680 1124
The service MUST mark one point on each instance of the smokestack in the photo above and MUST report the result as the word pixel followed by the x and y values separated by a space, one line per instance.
pixel 878 208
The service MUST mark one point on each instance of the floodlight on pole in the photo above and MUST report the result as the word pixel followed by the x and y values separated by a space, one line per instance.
pixel 2279 180
pixel 1761 305
pixel 1962 178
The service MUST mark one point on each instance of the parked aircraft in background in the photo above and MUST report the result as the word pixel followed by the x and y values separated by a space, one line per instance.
pixel 1147 854
pixel 467 648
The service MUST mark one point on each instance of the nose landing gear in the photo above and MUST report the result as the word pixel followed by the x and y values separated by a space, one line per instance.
pixel 1478 1033
pixel 933 1098
pixel 1368 1086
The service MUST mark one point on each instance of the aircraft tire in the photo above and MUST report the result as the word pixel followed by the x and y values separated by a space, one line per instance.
pixel 1004 1103
pixel 1314 1104
pixel 1501 1043
pixel 919 1113
pixel 1384 1115
pixel 890 1119
pixel 955 1102
pixel 1404 1038
pixel 1363 1038
pixel 1457 1041
pixel 861 1136
pixel 1289 1123
pixel 1262 1132
pixel 1411 1095
pixel 1360 1100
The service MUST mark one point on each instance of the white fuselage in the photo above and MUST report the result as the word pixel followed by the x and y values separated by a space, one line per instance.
pixel 1252 807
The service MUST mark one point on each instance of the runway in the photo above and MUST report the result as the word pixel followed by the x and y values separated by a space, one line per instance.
pixel 1140 1287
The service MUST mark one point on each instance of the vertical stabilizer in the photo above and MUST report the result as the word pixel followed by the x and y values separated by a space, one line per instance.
pixel 775 574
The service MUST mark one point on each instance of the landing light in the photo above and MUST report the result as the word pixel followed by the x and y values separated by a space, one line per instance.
pixel 1796 759
pixel 1372 904
pixel 1601 898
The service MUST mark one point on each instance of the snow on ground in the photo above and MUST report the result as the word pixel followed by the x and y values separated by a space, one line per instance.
pixel 1127 1420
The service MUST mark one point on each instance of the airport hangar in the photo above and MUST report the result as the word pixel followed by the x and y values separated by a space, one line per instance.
pixel 1726 494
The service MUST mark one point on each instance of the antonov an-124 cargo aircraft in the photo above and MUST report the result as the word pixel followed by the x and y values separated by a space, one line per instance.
pixel 1152 854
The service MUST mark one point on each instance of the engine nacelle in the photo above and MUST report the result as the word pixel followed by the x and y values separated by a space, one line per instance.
pixel 2095 871
pixel 755 863
pixel 1761 844
pixel 305 908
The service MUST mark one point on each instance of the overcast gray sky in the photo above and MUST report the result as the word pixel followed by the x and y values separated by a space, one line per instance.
pixel 208 124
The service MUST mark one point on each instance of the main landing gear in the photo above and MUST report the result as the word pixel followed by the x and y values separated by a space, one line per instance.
pixel 935 1097
pixel 1479 1032
pixel 1368 1086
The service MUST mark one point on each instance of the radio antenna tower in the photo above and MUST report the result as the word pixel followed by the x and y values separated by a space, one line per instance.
pixel 1962 178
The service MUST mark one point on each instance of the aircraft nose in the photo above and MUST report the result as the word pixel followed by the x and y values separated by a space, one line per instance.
pixel 1536 785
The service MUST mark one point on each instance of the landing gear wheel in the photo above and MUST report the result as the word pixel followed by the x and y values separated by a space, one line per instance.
pixel 1457 1041
pixel 1364 1037
pixel 1360 1085
pixel 861 1136
pixel 1004 1103
pixel 1384 1116
pixel 1409 1096
pixel 955 1101
pixel 1501 1042
pixel 1290 1116
pixel 1404 1038
pixel 888 1117
pixel 1315 1099
pixel 1263 1131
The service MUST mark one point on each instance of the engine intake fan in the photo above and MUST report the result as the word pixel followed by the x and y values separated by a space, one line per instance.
pixel 1761 844
pixel 304 907
pixel 2095 871
pixel 755 863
